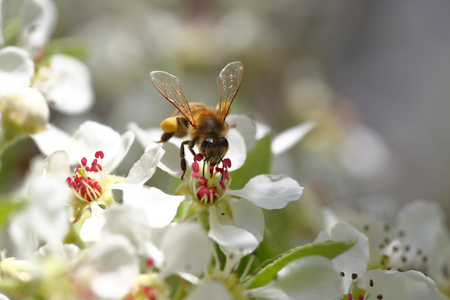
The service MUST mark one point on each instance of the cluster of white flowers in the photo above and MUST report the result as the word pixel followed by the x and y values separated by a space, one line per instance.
pixel 76 230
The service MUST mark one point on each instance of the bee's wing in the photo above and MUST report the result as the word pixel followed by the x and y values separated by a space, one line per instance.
pixel 229 81
pixel 169 86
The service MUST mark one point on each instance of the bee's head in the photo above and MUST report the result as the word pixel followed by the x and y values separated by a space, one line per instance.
pixel 214 149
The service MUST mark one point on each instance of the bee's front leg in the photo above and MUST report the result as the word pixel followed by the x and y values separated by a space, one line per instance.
pixel 183 156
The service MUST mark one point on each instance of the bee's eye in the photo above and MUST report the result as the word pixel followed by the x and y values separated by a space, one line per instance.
pixel 205 144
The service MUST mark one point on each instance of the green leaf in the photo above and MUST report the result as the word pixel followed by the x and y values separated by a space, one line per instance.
pixel 259 161
pixel 328 249
pixel 8 206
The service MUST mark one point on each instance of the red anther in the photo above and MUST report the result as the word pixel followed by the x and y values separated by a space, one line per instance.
pixel 226 163
pixel 99 154
pixel 222 185
pixel 150 262
pixel 84 161
pixel 149 292
pixel 219 170
pixel 198 157
pixel 350 296
pixel 69 180
pixel 195 167
pixel 361 297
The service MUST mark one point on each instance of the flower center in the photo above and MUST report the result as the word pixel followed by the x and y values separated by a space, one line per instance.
pixel 209 188
pixel 85 183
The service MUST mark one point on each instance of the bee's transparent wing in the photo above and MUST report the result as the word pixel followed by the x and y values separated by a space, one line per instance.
pixel 229 81
pixel 169 86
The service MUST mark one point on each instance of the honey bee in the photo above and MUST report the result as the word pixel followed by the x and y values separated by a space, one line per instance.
pixel 206 126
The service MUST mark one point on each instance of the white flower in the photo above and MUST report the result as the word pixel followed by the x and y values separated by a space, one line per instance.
pixel 93 183
pixel 236 225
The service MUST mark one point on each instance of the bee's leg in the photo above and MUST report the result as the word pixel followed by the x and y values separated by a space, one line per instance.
pixel 166 136
pixel 191 145
pixel 183 158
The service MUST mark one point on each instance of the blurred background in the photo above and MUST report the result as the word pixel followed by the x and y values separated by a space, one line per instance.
pixel 374 75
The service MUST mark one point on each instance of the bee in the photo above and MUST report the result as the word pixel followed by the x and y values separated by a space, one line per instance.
pixel 205 126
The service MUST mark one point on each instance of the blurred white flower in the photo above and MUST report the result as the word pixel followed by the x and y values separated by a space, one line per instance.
pixel 44 219
pixel 418 241
pixel 64 81
pixel 111 267
pixel 35 21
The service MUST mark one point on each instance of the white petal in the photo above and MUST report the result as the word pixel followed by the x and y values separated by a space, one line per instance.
pixel 232 238
pixel 409 285
pixel 159 207
pixel 354 260
pixel 145 137
pixel 237 151
pixel 170 162
pixel 114 267
pixel 210 290
pixel 246 128
pixel 129 222
pixel 246 216
pixel 66 82
pixel 146 166
pixel 270 191
pixel 262 130
pixel 57 164
pixel 50 198
pixel 308 278
pixel 92 227
pixel 16 69
pixel 67 252
pixel 195 254
pixel 38 22
pixel 288 138
pixel 93 136
pixel 420 220
pixel 54 139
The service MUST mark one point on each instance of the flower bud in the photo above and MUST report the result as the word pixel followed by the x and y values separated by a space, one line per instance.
pixel 24 111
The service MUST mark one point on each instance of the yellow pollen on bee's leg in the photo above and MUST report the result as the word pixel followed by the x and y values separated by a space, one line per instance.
pixel 169 125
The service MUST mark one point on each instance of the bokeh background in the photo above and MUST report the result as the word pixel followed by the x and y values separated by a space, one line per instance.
pixel 374 75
